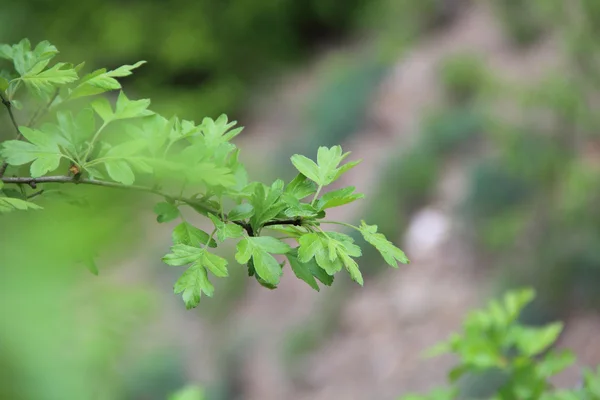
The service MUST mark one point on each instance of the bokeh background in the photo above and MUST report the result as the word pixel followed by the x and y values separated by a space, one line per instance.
pixel 476 122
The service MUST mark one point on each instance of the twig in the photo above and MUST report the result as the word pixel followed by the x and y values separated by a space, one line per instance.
pixel 36 194
pixel 75 180
pixel 8 106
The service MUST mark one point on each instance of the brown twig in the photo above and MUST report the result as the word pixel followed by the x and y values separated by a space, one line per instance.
pixel 8 106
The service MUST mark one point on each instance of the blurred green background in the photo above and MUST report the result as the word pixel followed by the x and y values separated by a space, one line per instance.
pixel 522 133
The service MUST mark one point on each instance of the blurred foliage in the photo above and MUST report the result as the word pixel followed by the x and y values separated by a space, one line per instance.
pixel 463 77
pixel 523 20
pixel 202 55
pixel 62 333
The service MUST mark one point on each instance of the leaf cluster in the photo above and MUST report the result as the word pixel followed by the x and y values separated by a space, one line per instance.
pixel 122 143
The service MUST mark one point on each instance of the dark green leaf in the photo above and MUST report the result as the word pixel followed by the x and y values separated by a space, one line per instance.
pixel 300 187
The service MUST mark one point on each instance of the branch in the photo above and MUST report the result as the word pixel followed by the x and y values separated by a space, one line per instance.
pixel 192 202
pixel 8 106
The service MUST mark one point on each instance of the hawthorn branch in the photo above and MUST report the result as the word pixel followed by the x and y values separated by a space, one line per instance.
pixel 8 106
pixel 33 182
pixel 42 110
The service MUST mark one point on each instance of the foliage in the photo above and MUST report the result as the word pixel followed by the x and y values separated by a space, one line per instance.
pixel 493 339
pixel 196 61
pixel 128 146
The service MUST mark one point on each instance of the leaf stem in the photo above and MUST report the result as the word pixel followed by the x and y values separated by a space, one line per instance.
pixel 312 203
pixel 93 141
pixel 8 106
pixel 340 223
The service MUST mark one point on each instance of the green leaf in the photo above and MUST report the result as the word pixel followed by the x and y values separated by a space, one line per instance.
pixel 390 253
pixel 167 212
pixel 8 204
pixel 532 341
pixel 188 393
pixel 270 244
pixel 185 233
pixel 300 187
pixel 124 109
pixel 327 168
pixel 192 284
pixel 555 362
pixel 241 212
pixel 215 264
pixel 218 132
pixel 101 81
pixel 244 251
pixel 267 204
pixel 43 150
pixel 120 171
pixel 3 84
pixel 43 82
pixel 182 254
pixel 306 166
pixel 338 198
pixel 225 231
pixel 310 244
pixel 266 266
pixel 303 271
pixel 351 267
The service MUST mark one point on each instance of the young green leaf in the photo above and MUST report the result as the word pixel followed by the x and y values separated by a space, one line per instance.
pixel 42 149
pixel 241 212
pixel 260 249
pixel 8 204
pixel 42 82
pixel 124 108
pixel 267 204
pixel 120 171
pixel 182 254
pixel 166 212
pixel 215 264
pixel 101 81
pixel 338 198
pixel 185 233
pixel 226 231
pixel 308 271
pixel 300 187
pixel 192 284
pixel 390 253
pixel 327 168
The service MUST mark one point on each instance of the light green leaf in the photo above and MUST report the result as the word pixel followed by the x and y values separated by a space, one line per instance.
pixel 327 168
pixel 8 204
pixel 6 51
pixel 241 212
pixel 300 187
pixel 351 267
pixel 532 341
pixel 45 81
pixel 103 109
pixel 306 166
pixel 225 231
pixel 182 254
pixel 192 284
pixel 215 264
pixel 168 212
pixel 120 171
pixel 267 204
pixel 244 251
pixel 188 393
pixel 390 253
pixel 185 233
pixel 270 244
pixel 126 108
pixel 266 266
pixel 309 246
pixel 42 149
pixel 338 198
pixel 101 81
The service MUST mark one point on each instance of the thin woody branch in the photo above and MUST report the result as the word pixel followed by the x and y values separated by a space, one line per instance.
pixel 8 106
pixel 33 182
